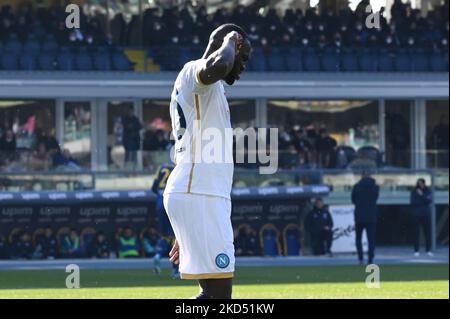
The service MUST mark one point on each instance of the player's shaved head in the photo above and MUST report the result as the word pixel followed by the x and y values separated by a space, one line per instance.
pixel 215 42
pixel 220 33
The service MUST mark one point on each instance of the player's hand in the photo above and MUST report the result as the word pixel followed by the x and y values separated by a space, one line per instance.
pixel 175 253
pixel 237 38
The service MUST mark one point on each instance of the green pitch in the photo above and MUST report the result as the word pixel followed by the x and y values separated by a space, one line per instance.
pixel 397 281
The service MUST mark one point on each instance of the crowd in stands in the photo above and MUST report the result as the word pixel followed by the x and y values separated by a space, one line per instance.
pixel 69 243
pixel 42 151
pixel 294 41
pixel 126 243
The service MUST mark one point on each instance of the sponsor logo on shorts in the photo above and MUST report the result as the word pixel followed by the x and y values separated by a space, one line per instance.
pixel 222 261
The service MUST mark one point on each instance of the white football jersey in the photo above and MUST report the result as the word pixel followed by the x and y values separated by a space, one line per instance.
pixel 204 161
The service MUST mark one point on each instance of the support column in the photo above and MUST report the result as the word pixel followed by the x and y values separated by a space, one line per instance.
pixel 418 134
pixel 138 109
pixel 261 112
pixel 59 122
pixel 382 127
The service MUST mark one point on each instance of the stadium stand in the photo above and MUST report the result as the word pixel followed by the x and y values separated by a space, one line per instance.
pixel 36 39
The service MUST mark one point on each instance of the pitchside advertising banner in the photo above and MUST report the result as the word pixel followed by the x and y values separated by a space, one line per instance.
pixel 344 229
pixel 108 211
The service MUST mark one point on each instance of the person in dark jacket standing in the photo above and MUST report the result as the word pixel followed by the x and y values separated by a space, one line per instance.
pixel 421 199
pixel 364 196
pixel 131 138
pixel 319 224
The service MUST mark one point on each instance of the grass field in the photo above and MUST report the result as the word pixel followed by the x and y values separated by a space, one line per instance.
pixel 397 281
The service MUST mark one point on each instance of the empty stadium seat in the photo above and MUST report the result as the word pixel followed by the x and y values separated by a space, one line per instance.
pixel 46 62
pixel 8 61
pixel 419 61
pixel 439 62
pixel 294 61
pixel 330 61
pixel 276 61
pixel 269 240
pixel 349 61
pixel 120 61
pixel 65 61
pixel 258 61
pixel 13 45
pixel 385 62
pixel 27 62
pixel 368 61
pixel 311 61
pixel 102 60
pixel 83 61
pixel 291 238
pixel 403 61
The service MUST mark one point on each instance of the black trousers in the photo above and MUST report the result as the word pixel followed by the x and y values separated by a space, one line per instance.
pixel 370 232
pixel 321 242
pixel 423 222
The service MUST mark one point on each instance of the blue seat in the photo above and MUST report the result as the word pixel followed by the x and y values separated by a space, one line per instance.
pixel 27 62
pixel 9 61
pixel 13 45
pixel 102 61
pixel 385 62
pixel 258 61
pixel 276 61
pixel 349 62
pixel 32 45
pixel 419 61
pixel 65 61
pixel 311 61
pixel 294 61
pixel 438 62
pixel 46 62
pixel 50 46
pixel 83 61
pixel 403 62
pixel 270 243
pixel 120 62
pixel 368 61
pixel 330 62
pixel 291 237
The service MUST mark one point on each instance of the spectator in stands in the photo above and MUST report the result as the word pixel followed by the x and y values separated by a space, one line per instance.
pixel 7 145
pixel 64 160
pixel 22 247
pixel 40 160
pixel 128 245
pixel 326 146
pixel 319 224
pixel 102 247
pixel 365 196
pixel 421 200
pixel 71 245
pixel 247 242
pixel 131 137
pixel 149 242
pixel 48 243
pixel 3 248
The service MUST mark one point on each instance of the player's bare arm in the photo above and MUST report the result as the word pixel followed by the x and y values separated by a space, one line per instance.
pixel 220 63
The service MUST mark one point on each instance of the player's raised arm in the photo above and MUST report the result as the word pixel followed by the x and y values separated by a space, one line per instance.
pixel 220 63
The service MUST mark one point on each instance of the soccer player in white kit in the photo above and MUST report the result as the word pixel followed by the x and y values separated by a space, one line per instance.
pixel 197 196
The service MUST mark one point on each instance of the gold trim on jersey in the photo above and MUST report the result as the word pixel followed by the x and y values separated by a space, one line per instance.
pixel 219 275
pixel 197 110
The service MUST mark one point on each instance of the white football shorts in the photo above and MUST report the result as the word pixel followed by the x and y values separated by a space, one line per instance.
pixel 202 226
